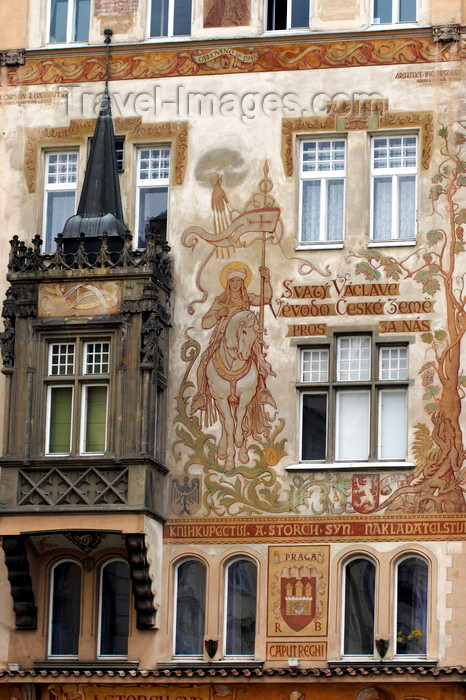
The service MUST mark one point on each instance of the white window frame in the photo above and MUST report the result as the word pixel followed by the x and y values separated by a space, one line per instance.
pixel 170 22
pixel 51 607
pixel 50 388
pixel 324 177
pixel 99 626
pixel 333 388
pixel 410 555
pixel 70 25
pixel 79 382
pixel 356 557
pixel 150 183
pixel 239 657
pixel 395 15
pixel 289 4
pixel 194 657
pixel 57 187
pixel 83 427
pixel 395 173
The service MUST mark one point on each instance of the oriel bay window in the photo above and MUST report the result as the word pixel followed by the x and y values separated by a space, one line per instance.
pixel 77 397
pixel 353 401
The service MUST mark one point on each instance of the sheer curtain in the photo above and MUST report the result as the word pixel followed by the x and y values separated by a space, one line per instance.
pixel 411 598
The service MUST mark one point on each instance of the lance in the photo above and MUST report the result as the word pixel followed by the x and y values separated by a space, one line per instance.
pixel 264 185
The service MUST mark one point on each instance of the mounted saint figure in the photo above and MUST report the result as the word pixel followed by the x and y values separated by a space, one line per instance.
pixel 232 372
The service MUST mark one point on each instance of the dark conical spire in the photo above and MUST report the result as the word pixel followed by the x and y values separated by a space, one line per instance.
pixel 100 207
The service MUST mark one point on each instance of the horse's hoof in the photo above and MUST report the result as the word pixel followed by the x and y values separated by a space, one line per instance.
pixel 221 455
pixel 239 442
pixel 229 465
pixel 243 456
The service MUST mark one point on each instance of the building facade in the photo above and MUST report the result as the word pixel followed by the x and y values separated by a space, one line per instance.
pixel 233 350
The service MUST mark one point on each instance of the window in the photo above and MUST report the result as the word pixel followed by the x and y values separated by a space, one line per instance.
pixel 77 397
pixel 392 11
pixel 61 170
pixel 190 608
pixel 170 18
pixel 359 606
pixel 288 14
pixel 240 618
pixel 322 191
pixel 341 393
pixel 394 168
pixel 65 597
pixel 152 192
pixel 412 574
pixel 69 21
pixel 114 597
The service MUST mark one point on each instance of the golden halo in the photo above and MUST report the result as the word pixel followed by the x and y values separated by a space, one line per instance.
pixel 235 266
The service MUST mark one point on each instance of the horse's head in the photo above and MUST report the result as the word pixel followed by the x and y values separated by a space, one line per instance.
pixel 241 332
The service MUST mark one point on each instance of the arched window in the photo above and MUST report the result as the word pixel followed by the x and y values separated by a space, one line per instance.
pixel 240 594
pixel 359 605
pixel 190 608
pixel 412 575
pixel 114 597
pixel 65 600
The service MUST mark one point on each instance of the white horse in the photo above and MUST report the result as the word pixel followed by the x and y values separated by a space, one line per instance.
pixel 232 377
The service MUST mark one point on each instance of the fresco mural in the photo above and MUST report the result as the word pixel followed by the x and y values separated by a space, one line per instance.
pixel 229 423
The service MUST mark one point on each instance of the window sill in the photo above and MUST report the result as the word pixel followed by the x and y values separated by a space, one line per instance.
pixel 218 663
pixel 396 243
pixel 353 466
pixel 389 663
pixel 320 246
pixel 50 665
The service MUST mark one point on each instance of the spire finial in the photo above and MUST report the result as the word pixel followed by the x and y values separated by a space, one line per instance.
pixel 108 38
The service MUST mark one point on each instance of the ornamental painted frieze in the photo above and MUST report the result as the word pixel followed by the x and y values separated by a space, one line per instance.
pixel 237 58
pixel 232 430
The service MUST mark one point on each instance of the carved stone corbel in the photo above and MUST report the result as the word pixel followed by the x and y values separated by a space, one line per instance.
pixel 446 32
pixel 17 564
pixel 141 580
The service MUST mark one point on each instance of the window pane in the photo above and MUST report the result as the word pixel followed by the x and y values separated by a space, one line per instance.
pixel 66 588
pixel 354 359
pixel 60 206
pixel 382 222
pixel 314 426
pixel 190 608
pixel 310 225
pixel 406 206
pixel 314 365
pixel 159 18
pixel 352 439
pixel 359 607
pixel 97 358
pixel 82 11
pixel 96 419
pixel 392 424
pixel 61 358
pixel 335 191
pixel 241 608
pixel 407 11
pixel 382 11
pixel 152 205
pixel 114 613
pixel 58 21
pixel 182 17
pixel 60 411
pixel 276 14
pixel 393 363
pixel 411 622
pixel 299 13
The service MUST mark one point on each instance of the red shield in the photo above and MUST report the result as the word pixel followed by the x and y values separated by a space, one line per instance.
pixel 298 601
pixel 365 492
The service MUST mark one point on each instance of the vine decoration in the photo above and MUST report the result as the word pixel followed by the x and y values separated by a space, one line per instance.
pixel 438 482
